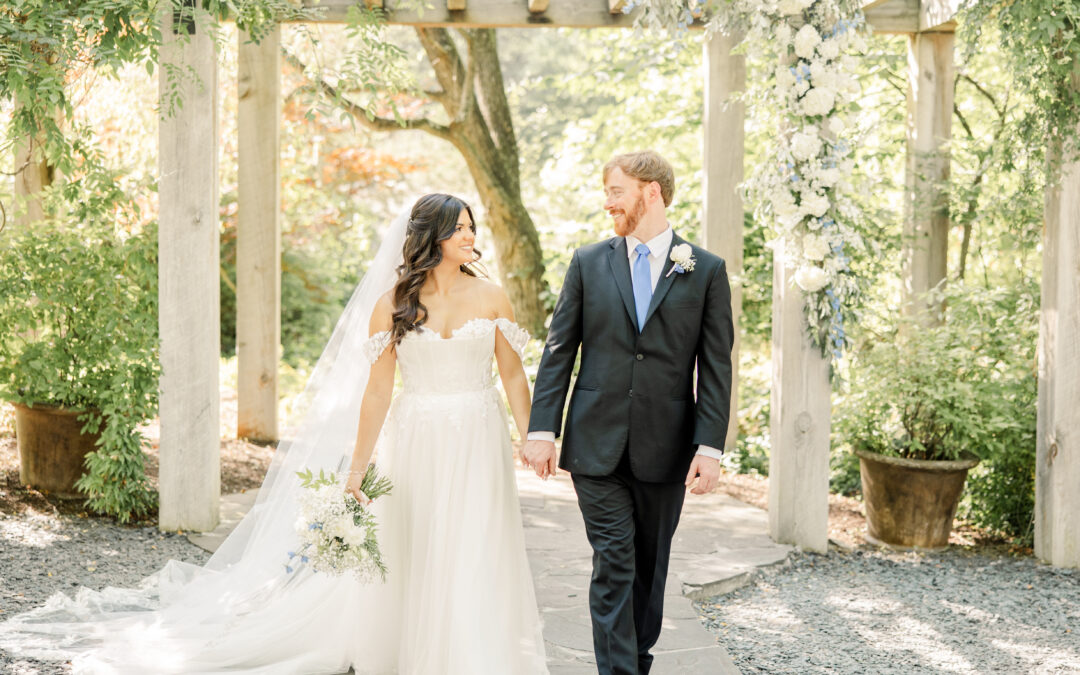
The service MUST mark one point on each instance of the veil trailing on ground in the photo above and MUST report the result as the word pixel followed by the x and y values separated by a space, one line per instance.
pixel 188 618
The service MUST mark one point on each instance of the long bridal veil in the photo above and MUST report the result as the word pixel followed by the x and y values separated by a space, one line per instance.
pixel 242 609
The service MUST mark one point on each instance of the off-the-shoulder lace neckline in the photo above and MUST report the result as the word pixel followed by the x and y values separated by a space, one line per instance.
pixel 424 330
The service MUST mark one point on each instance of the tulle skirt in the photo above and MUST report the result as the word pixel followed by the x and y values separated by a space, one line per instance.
pixel 458 600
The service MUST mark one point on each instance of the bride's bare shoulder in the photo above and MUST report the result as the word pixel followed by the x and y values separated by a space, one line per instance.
pixel 382 317
pixel 495 299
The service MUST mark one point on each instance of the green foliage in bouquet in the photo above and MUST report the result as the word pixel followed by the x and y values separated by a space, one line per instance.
pixel 80 332
pixel 332 551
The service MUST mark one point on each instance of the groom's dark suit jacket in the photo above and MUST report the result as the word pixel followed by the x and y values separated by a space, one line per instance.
pixel 636 390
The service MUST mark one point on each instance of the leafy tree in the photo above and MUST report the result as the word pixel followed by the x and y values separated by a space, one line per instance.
pixel 465 105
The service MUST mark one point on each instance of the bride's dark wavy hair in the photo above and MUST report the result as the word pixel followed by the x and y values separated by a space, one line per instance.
pixel 433 220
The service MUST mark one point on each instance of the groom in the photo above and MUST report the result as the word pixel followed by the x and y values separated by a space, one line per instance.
pixel 645 308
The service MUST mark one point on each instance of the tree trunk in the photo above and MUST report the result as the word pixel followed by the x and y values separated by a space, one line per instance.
pixel 483 132
pixel 481 129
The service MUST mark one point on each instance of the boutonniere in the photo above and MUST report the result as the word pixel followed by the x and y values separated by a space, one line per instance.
pixel 683 257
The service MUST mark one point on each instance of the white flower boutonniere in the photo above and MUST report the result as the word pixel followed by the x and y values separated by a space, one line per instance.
pixel 683 257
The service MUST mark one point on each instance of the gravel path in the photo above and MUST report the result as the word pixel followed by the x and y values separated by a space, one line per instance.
pixel 41 554
pixel 877 612
pixel 858 612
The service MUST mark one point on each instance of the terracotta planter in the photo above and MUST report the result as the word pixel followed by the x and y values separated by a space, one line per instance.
pixel 51 448
pixel 911 502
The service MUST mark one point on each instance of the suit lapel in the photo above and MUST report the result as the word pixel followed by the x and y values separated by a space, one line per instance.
pixel 666 280
pixel 620 268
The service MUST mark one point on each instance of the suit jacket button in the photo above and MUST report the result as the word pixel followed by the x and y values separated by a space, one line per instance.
pixel 639 357
pixel 631 393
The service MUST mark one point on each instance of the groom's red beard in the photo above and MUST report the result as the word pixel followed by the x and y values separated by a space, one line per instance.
pixel 631 218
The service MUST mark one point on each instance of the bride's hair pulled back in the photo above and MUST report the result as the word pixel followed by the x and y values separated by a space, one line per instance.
pixel 433 220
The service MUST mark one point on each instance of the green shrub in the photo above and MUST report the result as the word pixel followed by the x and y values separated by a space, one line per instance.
pixel 965 386
pixel 80 331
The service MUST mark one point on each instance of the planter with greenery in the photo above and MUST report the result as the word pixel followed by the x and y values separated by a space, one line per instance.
pixel 927 403
pixel 80 335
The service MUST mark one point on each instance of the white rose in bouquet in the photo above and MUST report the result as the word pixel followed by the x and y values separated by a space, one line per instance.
pixel 811 278
pixel 806 40
pixel 815 248
pixel 818 101
pixel 805 145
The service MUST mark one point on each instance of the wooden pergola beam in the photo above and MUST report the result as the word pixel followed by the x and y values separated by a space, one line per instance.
pixel 912 16
pixel 491 13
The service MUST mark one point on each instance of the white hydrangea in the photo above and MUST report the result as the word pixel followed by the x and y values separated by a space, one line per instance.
pixel 828 177
pixel 823 74
pixel 806 40
pixel 785 79
pixel 811 278
pixel 805 145
pixel 829 49
pixel 815 248
pixel 815 204
pixel 836 125
pixel 789 7
pixel 818 101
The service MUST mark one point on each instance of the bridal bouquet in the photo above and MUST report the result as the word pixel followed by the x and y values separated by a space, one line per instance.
pixel 337 533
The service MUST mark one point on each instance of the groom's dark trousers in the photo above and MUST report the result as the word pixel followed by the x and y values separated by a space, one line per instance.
pixel 630 525
pixel 644 399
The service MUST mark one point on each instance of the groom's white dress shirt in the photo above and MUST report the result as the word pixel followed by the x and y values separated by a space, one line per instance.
pixel 658 248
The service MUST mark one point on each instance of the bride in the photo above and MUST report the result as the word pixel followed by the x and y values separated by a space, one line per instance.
pixel 458 599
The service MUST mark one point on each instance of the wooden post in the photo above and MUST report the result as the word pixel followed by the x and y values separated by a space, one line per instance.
pixel 32 175
pixel 725 75
pixel 930 107
pixel 1057 462
pixel 799 422
pixel 188 264
pixel 258 250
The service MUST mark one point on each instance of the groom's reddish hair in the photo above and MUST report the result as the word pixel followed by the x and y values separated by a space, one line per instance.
pixel 646 166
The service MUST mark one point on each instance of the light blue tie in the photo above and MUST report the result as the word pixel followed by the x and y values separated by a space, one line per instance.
pixel 642 284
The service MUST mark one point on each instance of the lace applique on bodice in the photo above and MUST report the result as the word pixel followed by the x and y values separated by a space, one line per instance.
pixel 462 362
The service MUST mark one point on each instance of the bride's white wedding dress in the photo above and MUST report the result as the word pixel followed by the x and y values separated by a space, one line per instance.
pixel 458 600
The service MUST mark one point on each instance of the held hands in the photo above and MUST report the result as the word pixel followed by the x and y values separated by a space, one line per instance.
pixel 706 471
pixel 540 457
pixel 352 487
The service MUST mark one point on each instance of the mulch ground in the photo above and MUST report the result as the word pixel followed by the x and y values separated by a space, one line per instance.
pixel 243 466
pixel 847 518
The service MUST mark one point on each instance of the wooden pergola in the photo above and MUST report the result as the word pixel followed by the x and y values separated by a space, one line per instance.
pixel 799 466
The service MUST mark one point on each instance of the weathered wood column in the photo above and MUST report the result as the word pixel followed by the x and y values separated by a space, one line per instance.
pixel 799 422
pixel 32 175
pixel 929 122
pixel 188 254
pixel 1057 462
pixel 725 75
pixel 258 250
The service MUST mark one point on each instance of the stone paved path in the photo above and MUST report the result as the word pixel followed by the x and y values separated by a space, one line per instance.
pixel 720 541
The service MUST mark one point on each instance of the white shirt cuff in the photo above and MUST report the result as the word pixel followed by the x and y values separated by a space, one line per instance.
pixel 709 451
pixel 541 436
